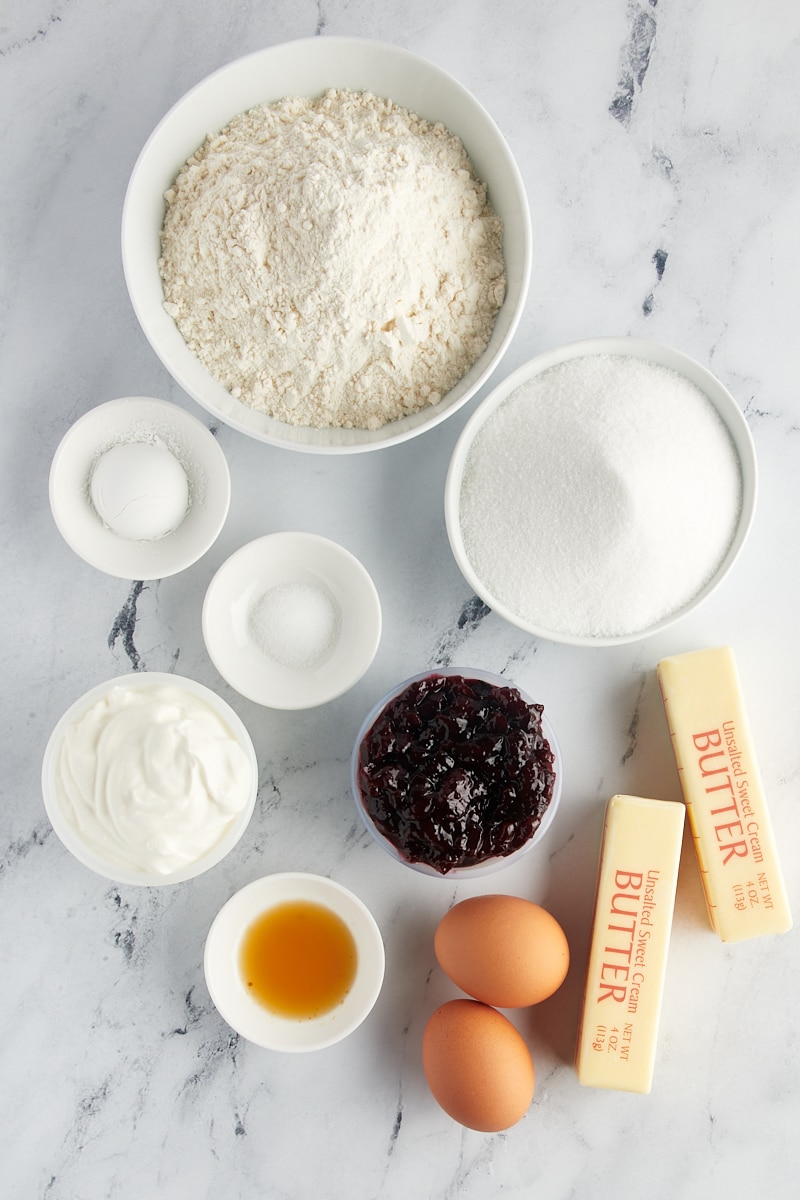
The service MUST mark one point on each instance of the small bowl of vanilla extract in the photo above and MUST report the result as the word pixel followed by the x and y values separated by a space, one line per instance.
pixel 294 962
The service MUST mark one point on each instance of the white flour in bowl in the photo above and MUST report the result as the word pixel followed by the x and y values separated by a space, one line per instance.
pixel 333 262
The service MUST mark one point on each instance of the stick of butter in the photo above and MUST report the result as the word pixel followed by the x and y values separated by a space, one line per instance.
pixel 636 881
pixel 724 796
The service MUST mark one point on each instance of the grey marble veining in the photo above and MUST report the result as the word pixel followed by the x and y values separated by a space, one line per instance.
pixel 660 149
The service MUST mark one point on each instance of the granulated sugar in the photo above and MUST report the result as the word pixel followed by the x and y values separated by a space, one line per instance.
pixel 600 497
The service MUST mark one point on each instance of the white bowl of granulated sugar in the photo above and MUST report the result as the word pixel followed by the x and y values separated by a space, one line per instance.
pixel 601 492
pixel 328 244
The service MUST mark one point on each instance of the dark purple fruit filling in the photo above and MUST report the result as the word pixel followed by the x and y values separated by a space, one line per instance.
pixel 454 771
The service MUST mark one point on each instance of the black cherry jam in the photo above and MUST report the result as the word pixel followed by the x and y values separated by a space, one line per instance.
pixel 454 771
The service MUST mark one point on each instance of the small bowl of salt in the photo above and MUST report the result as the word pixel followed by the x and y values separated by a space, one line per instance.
pixel 292 620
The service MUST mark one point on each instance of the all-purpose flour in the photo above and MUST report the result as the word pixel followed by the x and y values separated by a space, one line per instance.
pixel 333 262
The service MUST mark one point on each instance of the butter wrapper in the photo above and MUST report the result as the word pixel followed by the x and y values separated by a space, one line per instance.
pixel 634 903
pixel 714 753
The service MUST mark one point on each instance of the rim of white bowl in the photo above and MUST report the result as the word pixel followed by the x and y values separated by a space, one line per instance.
pixel 650 351
pixel 72 841
pixel 238 85
pixel 491 865
pixel 254 1021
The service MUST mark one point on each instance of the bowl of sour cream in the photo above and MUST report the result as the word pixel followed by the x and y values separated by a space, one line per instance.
pixel 149 779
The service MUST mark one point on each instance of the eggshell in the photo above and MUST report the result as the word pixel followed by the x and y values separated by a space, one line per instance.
pixel 477 1065
pixel 503 950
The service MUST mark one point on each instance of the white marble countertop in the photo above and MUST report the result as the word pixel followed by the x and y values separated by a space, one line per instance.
pixel 660 147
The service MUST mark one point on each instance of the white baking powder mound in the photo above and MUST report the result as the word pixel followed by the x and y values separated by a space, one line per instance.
pixel 600 497
pixel 333 261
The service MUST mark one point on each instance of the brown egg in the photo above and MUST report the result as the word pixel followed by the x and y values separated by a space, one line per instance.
pixel 502 950
pixel 477 1065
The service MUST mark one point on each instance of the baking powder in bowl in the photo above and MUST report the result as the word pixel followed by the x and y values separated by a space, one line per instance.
pixel 600 497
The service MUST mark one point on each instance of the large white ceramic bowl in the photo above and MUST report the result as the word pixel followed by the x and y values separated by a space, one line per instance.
pixel 309 68
pixel 109 779
pixel 653 352
pixel 225 979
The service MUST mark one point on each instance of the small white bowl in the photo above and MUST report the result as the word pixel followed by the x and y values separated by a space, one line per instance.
pixel 291 559
pixel 142 419
pixel 253 1020
pixel 69 835
pixel 310 67
pixel 489 865
pixel 652 352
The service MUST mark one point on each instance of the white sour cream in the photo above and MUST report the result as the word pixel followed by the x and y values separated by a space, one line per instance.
pixel 151 778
